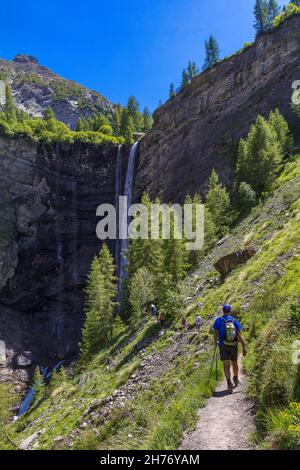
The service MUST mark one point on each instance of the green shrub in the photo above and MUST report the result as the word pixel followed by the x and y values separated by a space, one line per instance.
pixel 290 10
pixel 277 376
pixel 283 427
pixel 246 197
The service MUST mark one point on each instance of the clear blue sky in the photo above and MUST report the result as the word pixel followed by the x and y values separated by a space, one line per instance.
pixel 123 47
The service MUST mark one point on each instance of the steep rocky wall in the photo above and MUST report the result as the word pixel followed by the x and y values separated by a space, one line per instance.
pixel 198 129
pixel 48 201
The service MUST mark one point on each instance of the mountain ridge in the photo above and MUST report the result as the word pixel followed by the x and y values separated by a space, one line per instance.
pixel 36 87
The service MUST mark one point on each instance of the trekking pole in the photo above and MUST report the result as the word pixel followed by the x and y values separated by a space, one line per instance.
pixel 217 366
pixel 212 364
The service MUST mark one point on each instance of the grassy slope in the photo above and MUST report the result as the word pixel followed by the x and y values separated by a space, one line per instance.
pixel 161 380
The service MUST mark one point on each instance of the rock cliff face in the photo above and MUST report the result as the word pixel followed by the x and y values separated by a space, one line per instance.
pixel 198 129
pixel 48 201
pixel 35 87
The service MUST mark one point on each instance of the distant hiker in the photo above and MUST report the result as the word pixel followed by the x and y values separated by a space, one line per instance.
pixel 198 322
pixel 162 318
pixel 227 334
pixel 184 324
pixel 153 310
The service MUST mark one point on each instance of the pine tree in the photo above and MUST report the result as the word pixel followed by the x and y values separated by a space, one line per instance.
pixel 38 383
pixel 218 204
pixel 147 120
pixel 194 256
pixel 261 13
pixel 49 114
pixel 212 53
pixel 97 121
pixel 116 120
pixel 172 93
pixel 281 128
pixel 79 125
pixel 192 70
pixel 9 108
pixel 246 197
pixel 134 113
pixel 184 79
pixel 59 377
pixel 100 303
pixel 145 253
pixel 107 269
pixel 273 12
pixel 148 254
pixel 259 156
pixel 175 255
pixel 141 290
pixel 127 126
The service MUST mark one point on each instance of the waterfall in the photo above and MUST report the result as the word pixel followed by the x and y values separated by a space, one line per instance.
pixel 117 194
pixel 127 192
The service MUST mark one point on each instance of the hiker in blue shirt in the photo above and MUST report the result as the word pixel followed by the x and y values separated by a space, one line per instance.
pixel 227 334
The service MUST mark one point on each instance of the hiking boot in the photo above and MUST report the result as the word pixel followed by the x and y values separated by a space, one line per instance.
pixel 230 385
pixel 236 381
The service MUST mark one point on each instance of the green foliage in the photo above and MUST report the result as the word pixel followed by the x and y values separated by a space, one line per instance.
pixel 281 128
pixel 38 384
pixel 51 130
pixel 59 378
pixel 212 53
pixel 100 304
pixel 273 11
pixel 8 399
pixel 184 79
pixel 218 204
pixel 9 108
pixel 141 291
pixel 134 113
pixel 175 255
pixel 165 259
pixel 180 414
pixel 194 256
pixel 172 93
pixel 290 10
pixel 49 114
pixel 282 426
pixel 116 120
pixel 192 70
pixel 106 129
pixel 261 14
pixel 147 120
pixel 127 126
pixel 246 197
pixel 260 155
pixel 3 75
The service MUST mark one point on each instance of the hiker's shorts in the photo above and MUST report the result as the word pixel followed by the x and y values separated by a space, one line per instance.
pixel 229 353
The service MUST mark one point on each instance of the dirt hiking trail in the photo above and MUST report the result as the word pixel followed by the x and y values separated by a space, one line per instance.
pixel 225 423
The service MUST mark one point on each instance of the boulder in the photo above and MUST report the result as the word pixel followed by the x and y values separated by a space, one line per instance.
pixel 226 264
pixel 25 359
pixel 59 443
pixel 25 445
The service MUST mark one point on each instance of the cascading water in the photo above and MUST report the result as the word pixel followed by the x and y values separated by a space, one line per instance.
pixel 127 192
pixel 117 195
